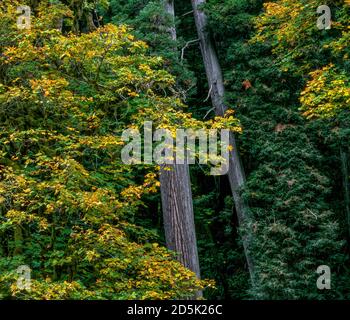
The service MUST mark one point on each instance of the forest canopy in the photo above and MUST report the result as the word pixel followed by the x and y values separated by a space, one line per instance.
pixel 75 75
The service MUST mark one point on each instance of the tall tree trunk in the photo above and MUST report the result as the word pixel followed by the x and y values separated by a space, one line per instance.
pixel 177 202
pixel 217 92
pixel 178 215
pixel 346 183
pixel 170 9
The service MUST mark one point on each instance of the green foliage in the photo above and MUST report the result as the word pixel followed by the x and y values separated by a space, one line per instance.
pixel 151 23
pixel 67 202
pixel 301 48
pixel 289 184
pixel 90 227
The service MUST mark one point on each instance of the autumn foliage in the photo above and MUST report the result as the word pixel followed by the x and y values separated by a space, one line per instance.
pixel 66 200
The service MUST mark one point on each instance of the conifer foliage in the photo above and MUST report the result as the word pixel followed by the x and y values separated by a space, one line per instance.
pixel 91 227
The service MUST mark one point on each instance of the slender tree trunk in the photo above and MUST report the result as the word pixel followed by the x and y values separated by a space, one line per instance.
pixel 177 202
pixel 217 92
pixel 18 238
pixel 346 184
pixel 170 9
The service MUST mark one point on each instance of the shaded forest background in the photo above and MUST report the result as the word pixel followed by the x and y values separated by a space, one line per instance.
pixel 91 227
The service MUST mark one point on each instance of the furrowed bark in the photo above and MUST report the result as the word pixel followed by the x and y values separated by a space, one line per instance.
pixel 178 215
pixel 177 202
pixel 217 92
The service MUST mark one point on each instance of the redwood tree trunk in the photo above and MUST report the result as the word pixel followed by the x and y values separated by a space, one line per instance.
pixel 217 92
pixel 177 202
pixel 178 215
